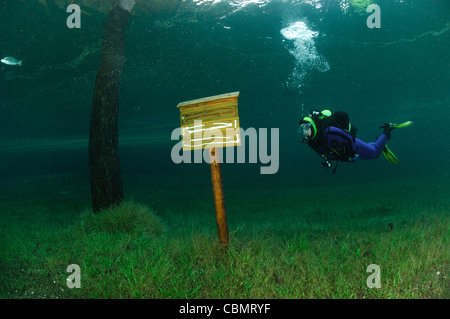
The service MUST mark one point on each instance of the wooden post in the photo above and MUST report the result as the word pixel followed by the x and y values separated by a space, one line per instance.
pixel 212 123
pixel 219 201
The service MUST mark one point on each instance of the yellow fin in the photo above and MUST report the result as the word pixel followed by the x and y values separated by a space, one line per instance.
pixel 389 155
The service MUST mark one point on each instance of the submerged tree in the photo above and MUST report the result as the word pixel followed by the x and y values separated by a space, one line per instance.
pixel 104 164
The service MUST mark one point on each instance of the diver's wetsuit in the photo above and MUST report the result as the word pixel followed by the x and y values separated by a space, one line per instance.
pixel 370 150
pixel 338 144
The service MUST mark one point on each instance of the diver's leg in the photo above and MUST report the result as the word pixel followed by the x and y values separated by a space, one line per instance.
pixel 370 150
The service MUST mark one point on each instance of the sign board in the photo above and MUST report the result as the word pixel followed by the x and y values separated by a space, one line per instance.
pixel 210 122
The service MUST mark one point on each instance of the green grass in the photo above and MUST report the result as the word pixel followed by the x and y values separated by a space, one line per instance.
pixel 134 251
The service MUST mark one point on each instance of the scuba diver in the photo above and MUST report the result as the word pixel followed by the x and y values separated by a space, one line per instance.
pixel 333 137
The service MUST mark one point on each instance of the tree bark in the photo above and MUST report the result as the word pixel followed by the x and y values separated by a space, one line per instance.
pixel 104 164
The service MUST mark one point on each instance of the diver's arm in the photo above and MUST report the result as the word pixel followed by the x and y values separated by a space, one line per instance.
pixel 327 163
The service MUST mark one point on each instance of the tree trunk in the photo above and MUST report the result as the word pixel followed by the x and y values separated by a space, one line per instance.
pixel 104 164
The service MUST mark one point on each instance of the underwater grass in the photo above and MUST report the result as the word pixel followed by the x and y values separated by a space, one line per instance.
pixel 129 252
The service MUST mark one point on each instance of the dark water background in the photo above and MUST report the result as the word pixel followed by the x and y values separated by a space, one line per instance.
pixel 396 73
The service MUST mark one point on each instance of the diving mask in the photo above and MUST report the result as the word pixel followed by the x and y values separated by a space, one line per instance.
pixel 305 129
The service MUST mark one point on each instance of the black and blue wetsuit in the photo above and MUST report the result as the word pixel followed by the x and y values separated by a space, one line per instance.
pixel 340 145
pixel 336 140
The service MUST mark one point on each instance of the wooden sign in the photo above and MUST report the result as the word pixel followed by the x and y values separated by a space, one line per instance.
pixel 210 122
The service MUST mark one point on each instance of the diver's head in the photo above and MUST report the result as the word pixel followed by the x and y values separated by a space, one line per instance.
pixel 307 128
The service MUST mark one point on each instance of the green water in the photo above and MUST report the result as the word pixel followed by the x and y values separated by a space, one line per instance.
pixel 183 50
